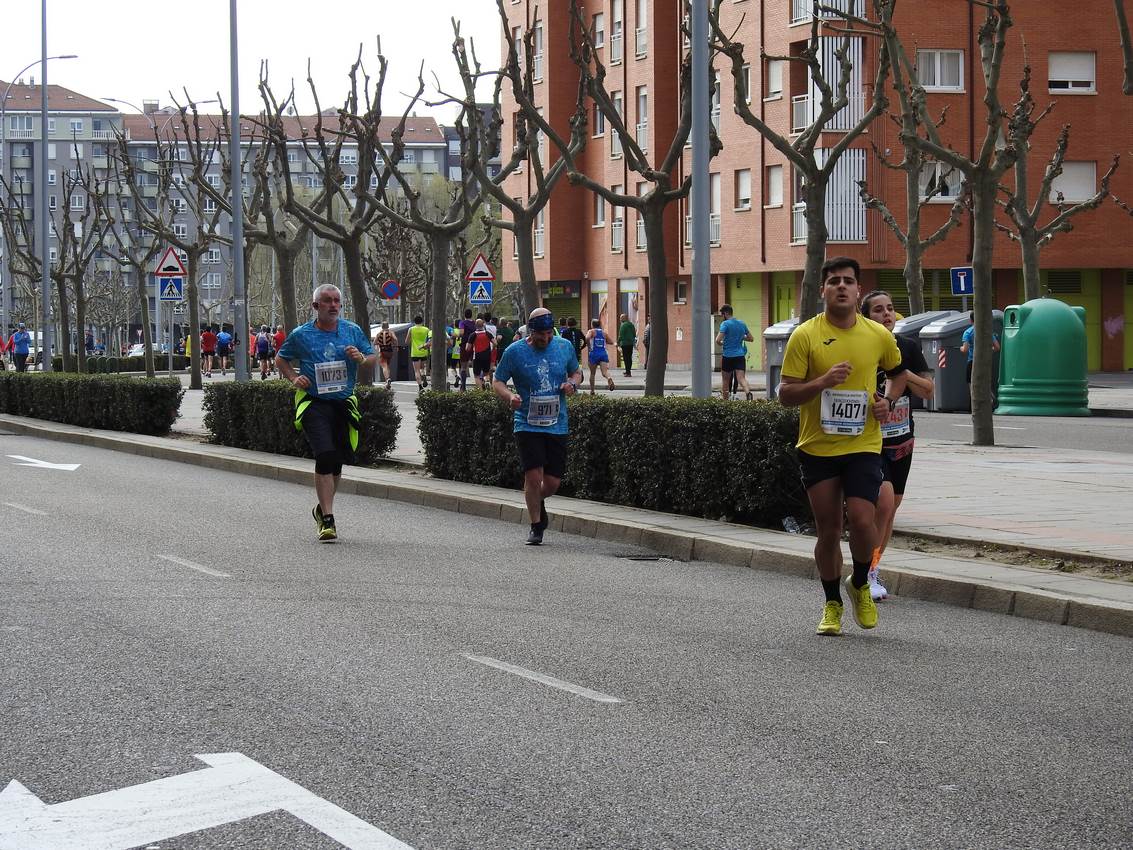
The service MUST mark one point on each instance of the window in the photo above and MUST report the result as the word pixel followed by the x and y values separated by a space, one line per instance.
pixel 76 125
pixel 180 231
pixel 77 151
pixel 213 180
pixel 642 96
pixel 348 157
pixel 517 39
pixel 293 157
pixel 599 211
pixel 1071 73
pixel 210 205
pixel 409 156
pixel 773 186
pixel 537 52
pixel 641 29
pixel 599 29
pixel 615 139
pixel 680 292
pixel 745 81
pixel 941 70
pixel 50 125
pixel 1077 182
pixel 743 189
pixel 19 123
pixel 53 202
pixel 78 202
pixel 774 78
pixel 178 204
pixel 616 31
pixel 51 177
pixel 50 150
pixel 211 280
pixel 350 180
pixel 940 182
pixel 212 257
pixel 53 254
pixel 599 122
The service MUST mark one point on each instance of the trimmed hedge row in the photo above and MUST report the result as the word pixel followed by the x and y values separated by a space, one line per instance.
pixel 110 402
pixel 700 457
pixel 99 364
pixel 260 415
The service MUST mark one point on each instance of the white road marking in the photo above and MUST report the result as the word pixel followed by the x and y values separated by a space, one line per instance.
pixel 193 566
pixel 25 509
pixel 551 681
pixel 233 788
pixel 43 464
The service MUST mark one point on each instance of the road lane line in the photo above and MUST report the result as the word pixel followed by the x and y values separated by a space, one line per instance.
pixel 25 509
pixel 551 681
pixel 193 566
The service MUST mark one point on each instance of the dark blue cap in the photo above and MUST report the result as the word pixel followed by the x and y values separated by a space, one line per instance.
pixel 542 322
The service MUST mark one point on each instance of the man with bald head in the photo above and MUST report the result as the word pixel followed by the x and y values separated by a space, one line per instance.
pixel 544 369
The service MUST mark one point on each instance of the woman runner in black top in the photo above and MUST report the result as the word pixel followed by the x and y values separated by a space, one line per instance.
pixel 896 429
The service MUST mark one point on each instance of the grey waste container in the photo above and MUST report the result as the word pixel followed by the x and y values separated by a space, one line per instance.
pixel 940 343
pixel 776 338
pixel 910 327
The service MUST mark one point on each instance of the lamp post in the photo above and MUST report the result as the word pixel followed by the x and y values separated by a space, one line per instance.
pixel 6 296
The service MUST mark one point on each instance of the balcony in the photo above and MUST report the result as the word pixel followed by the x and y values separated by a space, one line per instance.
pixel 102 135
pixel 714 228
pixel 803 10
pixel 617 235
pixel 615 48
pixel 643 135
pixel 642 243
pixel 798 224
pixel 538 233
pixel 615 145
pixel 21 162
pixel 20 134
pixel 641 42
pixel 800 112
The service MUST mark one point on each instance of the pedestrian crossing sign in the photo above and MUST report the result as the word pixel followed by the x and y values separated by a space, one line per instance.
pixel 480 292
pixel 172 288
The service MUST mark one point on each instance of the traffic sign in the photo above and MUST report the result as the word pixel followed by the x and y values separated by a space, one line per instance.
pixel 180 308
pixel 391 289
pixel 480 270
pixel 170 265
pixel 963 280
pixel 171 288
pixel 480 292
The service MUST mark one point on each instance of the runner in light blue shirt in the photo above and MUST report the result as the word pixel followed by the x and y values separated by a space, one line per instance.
pixel 732 336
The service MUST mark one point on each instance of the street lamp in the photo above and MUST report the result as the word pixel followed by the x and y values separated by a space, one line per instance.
pixel 5 298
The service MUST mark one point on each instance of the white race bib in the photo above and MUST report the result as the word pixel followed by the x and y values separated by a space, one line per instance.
pixel 330 377
pixel 896 424
pixel 844 411
pixel 543 410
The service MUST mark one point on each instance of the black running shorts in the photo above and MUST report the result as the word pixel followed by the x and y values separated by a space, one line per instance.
pixel 542 451
pixel 482 363
pixel 860 472
pixel 326 424
pixel 733 364
pixel 895 464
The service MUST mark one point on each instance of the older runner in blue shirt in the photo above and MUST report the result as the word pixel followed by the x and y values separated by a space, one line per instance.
pixel 329 351
pixel 544 369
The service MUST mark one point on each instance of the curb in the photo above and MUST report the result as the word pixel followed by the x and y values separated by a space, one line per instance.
pixel 702 540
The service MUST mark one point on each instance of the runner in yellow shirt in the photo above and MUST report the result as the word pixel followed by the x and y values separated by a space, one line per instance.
pixel 830 373
pixel 419 351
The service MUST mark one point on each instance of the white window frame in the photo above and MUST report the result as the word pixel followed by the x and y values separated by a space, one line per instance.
pixel 746 74
pixel 51 177
pixel 213 180
pixel 1067 80
pixel 75 125
pixel 1075 174
pixel 598 25
pixel 212 257
pixel 348 157
pixel 774 71
pixel 599 211
pixel 931 173
pixel 210 205
pixel 773 187
pixel 936 56
pixel 739 177
pixel 53 202
pixel 78 202
pixel 599 122
pixel 212 280
pixel 51 151
pixel 180 231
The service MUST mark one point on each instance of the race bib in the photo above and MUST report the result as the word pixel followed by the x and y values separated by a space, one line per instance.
pixel 543 410
pixel 330 377
pixel 844 411
pixel 896 424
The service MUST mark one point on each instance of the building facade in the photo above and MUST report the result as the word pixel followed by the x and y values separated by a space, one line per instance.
pixel 591 259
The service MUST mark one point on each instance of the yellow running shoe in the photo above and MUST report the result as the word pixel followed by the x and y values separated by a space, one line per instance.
pixel 831 622
pixel 865 611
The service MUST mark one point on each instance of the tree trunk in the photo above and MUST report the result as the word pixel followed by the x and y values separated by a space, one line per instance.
pixel 983 224
pixel 194 322
pixel 914 252
pixel 285 280
pixel 439 244
pixel 816 237
pixel 147 334
pixel 63 345
pixel 528 285
pixel 352 256
pixel 81 323
pixel 1032 275
pixel 658 304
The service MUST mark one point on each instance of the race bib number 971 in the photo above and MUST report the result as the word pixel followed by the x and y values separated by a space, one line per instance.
pixel 543 411
pixel 844 412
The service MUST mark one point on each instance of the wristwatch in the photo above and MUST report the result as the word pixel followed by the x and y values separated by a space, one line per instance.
pixel 573 384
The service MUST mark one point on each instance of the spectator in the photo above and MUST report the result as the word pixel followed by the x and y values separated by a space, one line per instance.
pixel 20 346
pixel 627 341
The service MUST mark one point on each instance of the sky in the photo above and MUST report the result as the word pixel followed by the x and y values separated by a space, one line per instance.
pixel 143 49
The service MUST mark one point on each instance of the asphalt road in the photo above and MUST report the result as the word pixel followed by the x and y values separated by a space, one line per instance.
pixel 1094 433
pixel 346 668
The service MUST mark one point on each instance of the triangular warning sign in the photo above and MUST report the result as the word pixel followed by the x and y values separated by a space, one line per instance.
pixel 480 270
pixel 480 293
pixel 171 291
pixel 170 264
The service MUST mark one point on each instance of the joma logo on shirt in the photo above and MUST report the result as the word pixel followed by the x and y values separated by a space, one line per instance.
pixel 828 341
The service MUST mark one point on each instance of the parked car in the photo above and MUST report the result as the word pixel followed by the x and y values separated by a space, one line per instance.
pixel 138 349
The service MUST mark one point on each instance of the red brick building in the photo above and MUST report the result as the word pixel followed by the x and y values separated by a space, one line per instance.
pixel 591 259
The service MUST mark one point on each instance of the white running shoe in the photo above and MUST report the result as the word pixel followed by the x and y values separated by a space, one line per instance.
pixel 877 590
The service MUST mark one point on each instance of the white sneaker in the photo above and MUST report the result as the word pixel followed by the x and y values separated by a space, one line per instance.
pixel 877 590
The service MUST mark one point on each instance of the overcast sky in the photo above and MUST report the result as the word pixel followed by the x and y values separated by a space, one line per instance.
pixel 143 49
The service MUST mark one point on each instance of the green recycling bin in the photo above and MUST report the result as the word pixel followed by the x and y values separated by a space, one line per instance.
pixel 1044 360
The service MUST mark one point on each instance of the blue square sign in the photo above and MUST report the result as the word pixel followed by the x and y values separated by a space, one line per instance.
pixel 171 288
pixel 963 280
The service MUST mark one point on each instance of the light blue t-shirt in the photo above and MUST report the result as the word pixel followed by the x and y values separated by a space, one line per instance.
pixel 970 338
pixel 310 346
pixel 20 342
pixel 734 332
pixel 224 340
pixel 540 373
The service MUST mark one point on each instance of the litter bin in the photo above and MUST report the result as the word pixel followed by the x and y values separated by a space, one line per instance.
pixel 1044 360
pixel 910 327
pixel 940 344
pixel 776 338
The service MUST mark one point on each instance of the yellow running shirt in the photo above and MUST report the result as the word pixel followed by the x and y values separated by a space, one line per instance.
pixel 839 421
pixel 418 334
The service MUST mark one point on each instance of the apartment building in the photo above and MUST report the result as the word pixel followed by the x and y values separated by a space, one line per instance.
pixel 591 258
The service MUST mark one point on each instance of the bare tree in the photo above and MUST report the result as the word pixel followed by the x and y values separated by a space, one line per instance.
pixel 1024 213
pixel 111 301
pixel 815 165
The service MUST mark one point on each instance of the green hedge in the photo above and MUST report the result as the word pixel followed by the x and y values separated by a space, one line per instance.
pixel 110 402
pixel 109 364
pixel 260 415
pixel 701 457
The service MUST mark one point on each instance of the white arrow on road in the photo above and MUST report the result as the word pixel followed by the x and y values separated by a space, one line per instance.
pixel 232 788
pixel 43 464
